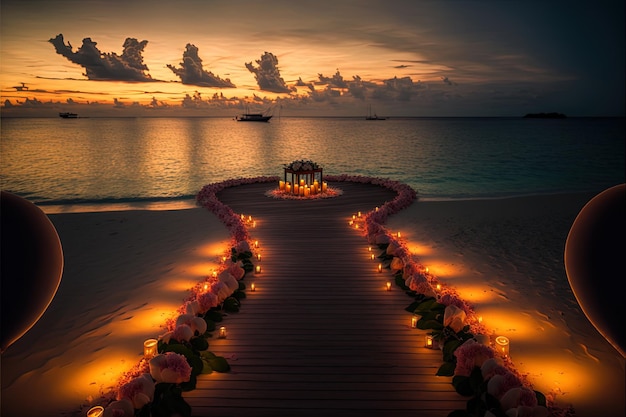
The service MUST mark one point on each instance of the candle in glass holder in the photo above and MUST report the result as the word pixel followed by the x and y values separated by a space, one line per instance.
pixel 429 342
pixel 222 333
pixel 438 287
pixel 324 186
pixel 388 286
pixel 97 411
pixel 254 223
pixel 414 321
pixel 214 274
pixel 372 256
pixel 302 183
pixel 369 248
pixel 150 348
pixel 257 269
pixel 256 243
pixel 252 287
pixel 399 234
pixel 380 267
pixel 258 256
pixel 502 345
pixel 281 185
pixel 223 259
pixel 288 188
pixel 206 286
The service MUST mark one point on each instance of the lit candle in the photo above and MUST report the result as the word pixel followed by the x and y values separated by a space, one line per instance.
pixel 359 214
pixel 223 259
pixel 288 188
pixel 372 256
pixel 206 286
pixel 324 186
pixel 242 216
pixel 257 269
pixel 427 270
pixel 376 208
pixel 438 287
pixel 258 256
pixel 351 222
pixel 302 191
pixel 369 248
pixel 307 191
pixel 214 274
pixel 150 348
pixel 380 267
pixel 430 342
pixel 502 345
pixel 388 286
pixel 256 243
pixel 399 235
pixel 96 411
pixel 354 217
pixel 281 185
pixel 249 218
pixel 414 321
pixel 254 223
pixel 302 183
pixel 480 319
pixel 356 226
pixel 296 189
pixel 252 287
pixel 222 333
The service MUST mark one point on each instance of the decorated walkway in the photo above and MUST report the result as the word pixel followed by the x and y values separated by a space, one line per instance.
pixel 320 335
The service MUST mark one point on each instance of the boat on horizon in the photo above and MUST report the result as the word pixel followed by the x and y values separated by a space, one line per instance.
pixel 68 115
pixel 374 116
pixel 253 117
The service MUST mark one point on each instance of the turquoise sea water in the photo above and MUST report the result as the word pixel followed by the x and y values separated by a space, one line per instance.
pixel 107 161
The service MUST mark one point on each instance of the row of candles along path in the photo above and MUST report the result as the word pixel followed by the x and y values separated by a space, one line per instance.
pixel 303 189
pixel 501 342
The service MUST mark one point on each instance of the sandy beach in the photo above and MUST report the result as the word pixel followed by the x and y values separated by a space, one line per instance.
pixel 127 272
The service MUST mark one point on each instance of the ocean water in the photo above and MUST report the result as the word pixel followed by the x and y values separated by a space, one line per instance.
pixel 161 162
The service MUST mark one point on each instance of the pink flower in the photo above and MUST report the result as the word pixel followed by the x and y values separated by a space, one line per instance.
pixel 498 385
pixel 518 396
pixel 236 270
pixel 120 408
pixel 170 367
pixel 221 290
pixel 226 277
pixel 396 264
pixel 493 366
pixel 182 332
pixel 242 246
pixel 207 301
pixel 469 355
pixel 454 318
pixel 197 324
pixel 140 391
pixel 192 307
pixel 381 239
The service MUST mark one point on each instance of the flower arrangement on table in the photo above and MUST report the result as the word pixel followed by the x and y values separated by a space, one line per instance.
pixel 308 182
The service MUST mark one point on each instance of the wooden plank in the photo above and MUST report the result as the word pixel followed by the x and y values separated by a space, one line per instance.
pixel 320 335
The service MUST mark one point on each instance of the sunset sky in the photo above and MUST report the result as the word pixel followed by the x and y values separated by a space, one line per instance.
pixel 312 58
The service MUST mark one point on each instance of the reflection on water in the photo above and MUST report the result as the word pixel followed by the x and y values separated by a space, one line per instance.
pixel 146 159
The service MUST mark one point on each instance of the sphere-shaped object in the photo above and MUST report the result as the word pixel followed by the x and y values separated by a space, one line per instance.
pixel 595 254
pixel 31 265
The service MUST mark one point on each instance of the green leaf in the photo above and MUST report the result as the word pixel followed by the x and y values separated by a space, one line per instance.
pixel 400 283
pixel 412 307
pixel 219 364
pixel 462 385
pixel 191 384
pixel 447 369
pixel 214 316
pixel 541 399
pixel 239 295
pixel 231 305
pixel 199 343
pixel 426 324
pixel 210 325
pixel 168 401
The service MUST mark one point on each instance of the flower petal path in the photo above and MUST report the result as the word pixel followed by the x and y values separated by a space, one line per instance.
pixel 320 335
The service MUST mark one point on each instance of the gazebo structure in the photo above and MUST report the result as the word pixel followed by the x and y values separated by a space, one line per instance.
pixel 307 178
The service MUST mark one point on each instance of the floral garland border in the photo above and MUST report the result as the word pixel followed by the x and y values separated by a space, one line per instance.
pixel 138 390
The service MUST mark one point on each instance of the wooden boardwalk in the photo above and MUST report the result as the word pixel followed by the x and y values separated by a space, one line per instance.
pixel 320 336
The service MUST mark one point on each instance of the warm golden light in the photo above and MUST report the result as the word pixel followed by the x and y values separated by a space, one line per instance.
pixel 222 333
pixel 369 248
pixel 257 269
pixel 150 348
pixel 252 287
pixel 399 235
pixel 380 267
pixel 96 411
pixel 429 342
pixel 388 286
pixel 502 345
pixel 258 256
pixel 372 257
pixel 414 321
pixel 256 243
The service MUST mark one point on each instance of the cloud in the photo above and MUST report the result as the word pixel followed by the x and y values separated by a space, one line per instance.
pixel 267 74
pixel 335 81
pixel 192 73
pixel 102 66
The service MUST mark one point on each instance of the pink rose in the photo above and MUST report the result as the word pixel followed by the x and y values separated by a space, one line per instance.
pixel 140 391
pixel 517 396
pixel 236 270
pixel 207 301
pixel 396 264
pixel 170 367
pixel 498 385
pixel 120 408
pixel 454 318
pixel 493 366
pixel 182 332
pixel 470 355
